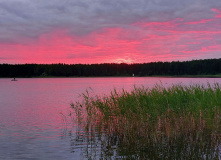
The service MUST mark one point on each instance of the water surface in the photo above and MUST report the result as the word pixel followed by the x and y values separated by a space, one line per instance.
pixel 32 125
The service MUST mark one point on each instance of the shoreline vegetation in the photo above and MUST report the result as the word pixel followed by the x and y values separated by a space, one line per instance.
pixel 174 76
pixel 177 122
pixel 194 68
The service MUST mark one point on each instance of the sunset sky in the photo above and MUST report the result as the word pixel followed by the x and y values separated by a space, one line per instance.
pixel 109 31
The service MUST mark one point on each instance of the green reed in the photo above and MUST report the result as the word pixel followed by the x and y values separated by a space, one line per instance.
pixel 178 121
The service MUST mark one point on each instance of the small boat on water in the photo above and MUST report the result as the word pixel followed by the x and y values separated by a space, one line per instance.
pixel 14 79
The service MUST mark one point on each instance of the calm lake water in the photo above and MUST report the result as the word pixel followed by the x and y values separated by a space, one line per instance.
pixel 31 123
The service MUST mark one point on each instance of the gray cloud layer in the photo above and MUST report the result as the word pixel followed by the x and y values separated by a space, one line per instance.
pixel 31 18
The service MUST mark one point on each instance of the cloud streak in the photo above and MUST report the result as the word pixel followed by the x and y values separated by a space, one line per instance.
pixel 82 31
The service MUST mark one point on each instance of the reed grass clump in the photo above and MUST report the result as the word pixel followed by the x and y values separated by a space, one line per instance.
pixel 159 122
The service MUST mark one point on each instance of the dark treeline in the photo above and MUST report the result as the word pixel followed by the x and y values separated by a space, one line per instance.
pixel 195 67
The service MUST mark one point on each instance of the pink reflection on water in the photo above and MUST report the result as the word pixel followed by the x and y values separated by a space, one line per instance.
pixel 30 108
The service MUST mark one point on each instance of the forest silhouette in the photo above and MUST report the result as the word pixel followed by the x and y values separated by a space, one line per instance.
pixel 175 68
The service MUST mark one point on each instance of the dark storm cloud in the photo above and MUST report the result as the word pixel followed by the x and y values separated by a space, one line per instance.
pixel 30 19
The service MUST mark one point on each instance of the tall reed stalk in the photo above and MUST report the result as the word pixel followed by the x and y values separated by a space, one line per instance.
pixel 159 122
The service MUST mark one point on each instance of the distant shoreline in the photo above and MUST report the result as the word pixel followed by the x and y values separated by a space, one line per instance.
pixel 161 76
pixel 210 68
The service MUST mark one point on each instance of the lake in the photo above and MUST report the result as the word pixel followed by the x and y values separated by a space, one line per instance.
pixel 33 124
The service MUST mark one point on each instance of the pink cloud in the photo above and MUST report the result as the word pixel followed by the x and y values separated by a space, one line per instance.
pixel 199 22
pixel 217 11
pixel 137 43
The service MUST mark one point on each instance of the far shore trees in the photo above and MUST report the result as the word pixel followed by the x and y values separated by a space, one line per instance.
pixel 175 68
